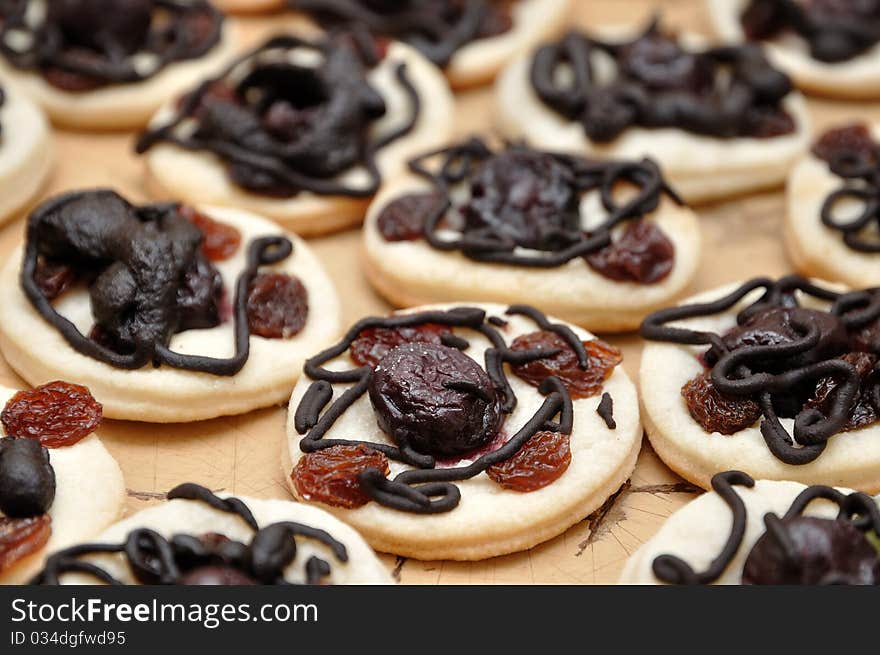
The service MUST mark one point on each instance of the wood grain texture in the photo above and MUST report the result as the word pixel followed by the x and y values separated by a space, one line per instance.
pixel 241 454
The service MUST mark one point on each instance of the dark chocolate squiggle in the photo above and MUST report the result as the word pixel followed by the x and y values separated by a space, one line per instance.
pixel 856 507
pixel 282 127
pixel 78 46
pixel 131 255
pixel 426 489
pixel 437 28
pixel 834 32
pixel 732 372
pixel 659 84
pixel 492 244
pixel 153 559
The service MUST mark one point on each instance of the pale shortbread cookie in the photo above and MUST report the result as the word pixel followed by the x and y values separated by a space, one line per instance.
pixel 491 520
pixel 412 273
pixel 196 518
pixel 700 168
pixel 26 151
pixel 697 532
pixel 202 177
pixel 851 459
pixel 855 79
pixel 89 496
pixel 815 249
pixel 39 353
pixel 122 106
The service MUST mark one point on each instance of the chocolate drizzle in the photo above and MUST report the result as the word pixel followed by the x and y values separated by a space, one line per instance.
pixel 524 208
pixel 773 370
pixel 139 256
pixel 80 45
pixel 855 159
pixel 725 92
pixel 425 489
pixel 282 125
pixel 153 559
pixel 857 508
pixel 437 28
pixel 834 32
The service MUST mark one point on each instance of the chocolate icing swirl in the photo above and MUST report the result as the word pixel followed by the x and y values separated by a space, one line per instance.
pixel 153 559
pixel 426 489
pixel 856 508
pixel 834 31
pixel 139 257
pixel 80 45
pixel 282 124
pixel 437 28
pixel 773 370
pixel 854 156
pixel 523 199
pixel 725 92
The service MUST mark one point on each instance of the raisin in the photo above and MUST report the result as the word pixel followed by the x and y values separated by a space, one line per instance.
pixel 851 140
pixel 766 122
pixel 862 412
pixel 330 475
pixel 827 551
pixel 642 254
pixel 867 338
pixel 277 306
pixel 716 412
pixel 58 414
pixel 373 344
pixel 541 461
pixel 581 383
pixel 435 400
pixel 70 81
pixel 22 537
pixel 403 219
pixel 221 242
pixel 54 278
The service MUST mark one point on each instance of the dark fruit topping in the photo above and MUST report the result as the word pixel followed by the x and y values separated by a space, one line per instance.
pixel 20 537
pixel 54 278
pixel 851 141
pixel 330 475
pixel 642 254
pixel 27 480
pixel 541 461
pixel 221 242
pixel 373 344
pixel 403 219
pixel 581 382
pixel 58 414
pixel 863 411
pixel 716 412
pixel 434 400
pixel 103 25
pixel 806 550
pixel 277 306
pixel 200 296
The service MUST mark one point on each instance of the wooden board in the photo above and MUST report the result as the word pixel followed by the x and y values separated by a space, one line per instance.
pixel 241 454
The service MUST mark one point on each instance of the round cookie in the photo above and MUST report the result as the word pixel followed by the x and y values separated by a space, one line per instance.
pixel 523 489
pixel 855 78
pixel 410 269
pixel 311 200
pixel 713 430
pixel 697 534
pixel 38 351
pixel 26 151
pixel 238 540
pixel 815 248
pixel 89 496
pixel 701 166
pixel 467 60
pixel 121 105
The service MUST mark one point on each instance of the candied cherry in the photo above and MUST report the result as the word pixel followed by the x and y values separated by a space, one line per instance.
pixel 20 537
pixel 716 412
pixel 642 254
pixel 330 475
pixel 277 306
pixel 541 461
pixel 373 344
pixel 58 414
pixel 581 383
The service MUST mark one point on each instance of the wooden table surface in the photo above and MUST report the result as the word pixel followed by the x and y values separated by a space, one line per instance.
pixel 240 454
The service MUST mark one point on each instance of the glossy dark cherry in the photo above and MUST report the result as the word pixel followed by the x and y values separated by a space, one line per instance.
pixel 716 412
pixel 373 344
pixel 434 399
pixel 643 254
